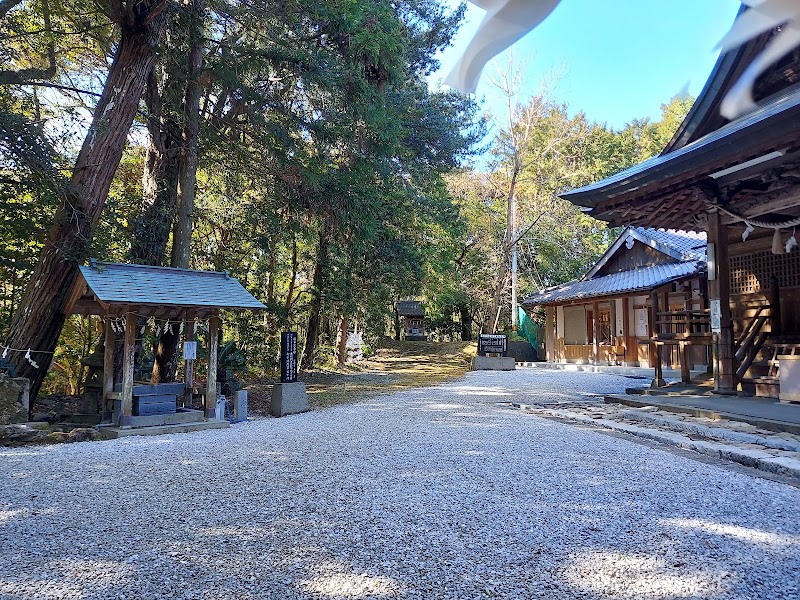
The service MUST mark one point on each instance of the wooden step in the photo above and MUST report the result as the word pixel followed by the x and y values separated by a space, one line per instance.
pixel 762 387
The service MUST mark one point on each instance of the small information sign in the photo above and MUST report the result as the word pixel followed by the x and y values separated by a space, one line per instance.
pixel 189 350
pixel 492 344
pixel 716 316
pixel 288 357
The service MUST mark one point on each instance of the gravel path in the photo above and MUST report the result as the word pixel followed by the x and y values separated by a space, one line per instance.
pixel 432 493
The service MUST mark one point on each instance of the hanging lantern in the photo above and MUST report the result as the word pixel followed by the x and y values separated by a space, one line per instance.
pixel 777 244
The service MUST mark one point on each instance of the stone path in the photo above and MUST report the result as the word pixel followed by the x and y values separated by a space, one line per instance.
pixel 726 439
pixel 444 492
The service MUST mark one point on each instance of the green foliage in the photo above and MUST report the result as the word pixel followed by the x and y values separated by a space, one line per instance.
pixel 331 180
pixel 558 242
pixel 79 337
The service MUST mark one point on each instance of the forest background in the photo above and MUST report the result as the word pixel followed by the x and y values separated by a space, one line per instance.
pixel 294 144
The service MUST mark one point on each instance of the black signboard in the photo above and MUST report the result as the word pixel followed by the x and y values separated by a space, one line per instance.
pixel 492 344
pixel 288 357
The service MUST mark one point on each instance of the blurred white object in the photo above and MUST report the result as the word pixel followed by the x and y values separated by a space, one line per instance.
pixel 506 22
pixel 791 243
pixel 761 16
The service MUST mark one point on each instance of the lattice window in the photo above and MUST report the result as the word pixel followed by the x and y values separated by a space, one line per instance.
pixel 752 272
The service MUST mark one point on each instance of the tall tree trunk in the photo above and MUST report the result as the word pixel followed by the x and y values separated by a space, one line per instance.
pixel 341 340
pixel 40 317
pixel 293 277
pixel 165 363
pixel 160 180
pixel 493 317
pixel 166 355
pixel 315 313
pixel 466 322
pixel 182 235
pixel 503 271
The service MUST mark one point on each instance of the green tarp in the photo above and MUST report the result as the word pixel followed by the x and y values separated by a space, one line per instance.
pixel 528 329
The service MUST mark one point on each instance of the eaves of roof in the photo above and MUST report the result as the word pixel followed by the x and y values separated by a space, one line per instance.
pixel 164 286
pixel 624 282
pixel 669 243
pixel 771 126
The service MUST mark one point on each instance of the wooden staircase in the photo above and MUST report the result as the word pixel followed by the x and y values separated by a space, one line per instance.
pixel 762 376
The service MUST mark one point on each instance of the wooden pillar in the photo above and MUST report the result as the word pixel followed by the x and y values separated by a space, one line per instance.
pixel 776 328
pixel 626 333
pixel 596 332
pixel 128 350
pixel 683 356
pixel 704 296
pixel 211 386
pixel 189 368
pixel 658 349
pixel 550 333
pixel 719 288
pixel 108 363
pixel 684 348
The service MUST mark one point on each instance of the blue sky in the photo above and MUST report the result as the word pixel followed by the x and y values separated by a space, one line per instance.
pixel 621 58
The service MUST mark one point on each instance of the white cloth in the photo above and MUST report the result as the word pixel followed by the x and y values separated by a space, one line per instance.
pixel 506 22
pixel 761 16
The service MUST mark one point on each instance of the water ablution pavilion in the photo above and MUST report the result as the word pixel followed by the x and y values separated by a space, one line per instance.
pixel 180 300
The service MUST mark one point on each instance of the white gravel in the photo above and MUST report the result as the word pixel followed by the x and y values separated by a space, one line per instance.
pixel 433 493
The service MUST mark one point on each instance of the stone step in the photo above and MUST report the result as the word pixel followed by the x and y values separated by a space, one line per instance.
pixel 110 433
pixel 758 458
pixel 181 416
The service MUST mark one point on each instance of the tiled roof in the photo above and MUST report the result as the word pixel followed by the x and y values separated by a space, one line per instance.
pixel 675 244
pixel 691 244
pixel 410 308
pixel 140 284
pixel 642 279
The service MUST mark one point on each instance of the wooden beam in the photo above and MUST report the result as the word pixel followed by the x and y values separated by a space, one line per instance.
pixel 549 333
pixel 596 332
pixel 627 345
pixel 78 290
pixel 108 362
pixel 189 370
pixel 719 289
pixel 128 350
pixel 213 348
pixel 764 203
pixel 657 352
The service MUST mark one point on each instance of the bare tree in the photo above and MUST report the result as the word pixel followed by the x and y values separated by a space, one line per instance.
pixel 513 148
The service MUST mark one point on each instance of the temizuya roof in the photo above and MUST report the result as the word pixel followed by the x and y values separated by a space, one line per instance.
pixel 116 283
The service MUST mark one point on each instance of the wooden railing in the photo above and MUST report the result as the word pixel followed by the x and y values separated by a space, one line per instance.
pixel 688 325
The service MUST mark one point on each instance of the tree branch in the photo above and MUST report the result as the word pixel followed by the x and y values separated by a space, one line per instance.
pixel 67 88
pixel 26 75
pixel 7 5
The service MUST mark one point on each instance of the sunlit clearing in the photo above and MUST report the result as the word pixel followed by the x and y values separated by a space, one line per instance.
pixel 639 576
pixel 351 585
pixel 443 406
pixel 7 515
pixel 744 534
pixel 480 391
